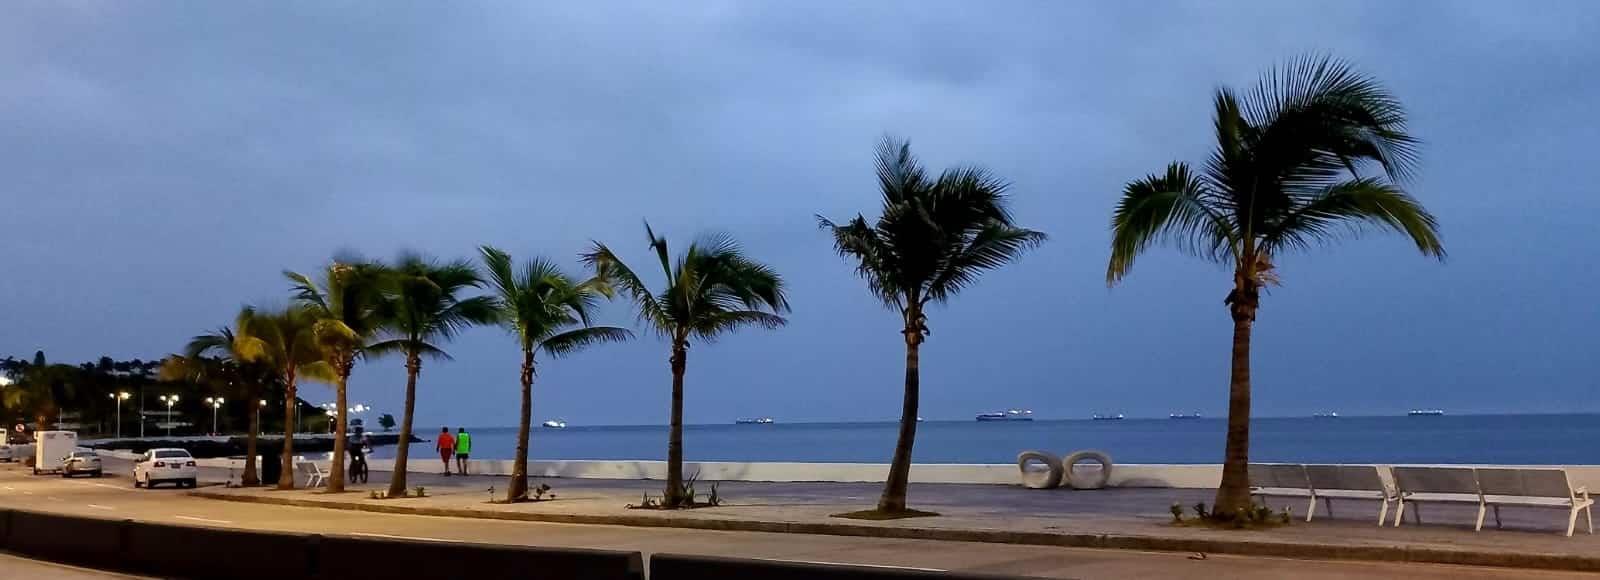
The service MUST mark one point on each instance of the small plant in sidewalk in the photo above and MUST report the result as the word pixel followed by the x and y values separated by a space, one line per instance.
pixel 1177 512
pixel 422 491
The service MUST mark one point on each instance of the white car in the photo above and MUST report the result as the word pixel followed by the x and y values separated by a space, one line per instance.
pixel 81 462
pixel 174 466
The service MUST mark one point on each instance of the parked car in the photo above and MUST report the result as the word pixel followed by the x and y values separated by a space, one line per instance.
pixel 8 452
pixel 81 462
pixel 174 466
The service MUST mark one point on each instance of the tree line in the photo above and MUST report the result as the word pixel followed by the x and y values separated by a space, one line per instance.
pixel 1314 153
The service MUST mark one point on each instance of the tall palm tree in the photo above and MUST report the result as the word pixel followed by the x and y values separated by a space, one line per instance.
pixel 286 341
pixel 348 309
pixel 934 237
pixel 219 358
pixel 1287 173
pixel 711 289
pixel 549 311
pixel 423 306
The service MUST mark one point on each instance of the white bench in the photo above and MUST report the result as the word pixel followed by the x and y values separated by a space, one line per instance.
pixel 314 475
pixel 1491 487
pixel 1321 482
pixel 1548 488
pixel 1330 482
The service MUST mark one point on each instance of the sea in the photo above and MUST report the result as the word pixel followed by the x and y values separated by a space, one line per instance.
pixel 1499 439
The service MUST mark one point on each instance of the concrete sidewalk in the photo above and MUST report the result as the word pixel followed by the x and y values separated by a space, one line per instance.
pixel 1110 518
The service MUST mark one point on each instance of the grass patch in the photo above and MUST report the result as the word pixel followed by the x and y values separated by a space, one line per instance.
pixel 878 516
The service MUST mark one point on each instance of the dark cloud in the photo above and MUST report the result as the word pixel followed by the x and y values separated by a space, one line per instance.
pixel 160 163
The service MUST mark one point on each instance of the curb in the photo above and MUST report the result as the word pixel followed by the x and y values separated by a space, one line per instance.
pixel 1396 553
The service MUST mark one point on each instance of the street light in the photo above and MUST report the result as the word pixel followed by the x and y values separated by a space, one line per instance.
pixel 119 397
pixel 170 400
pixel 215 403
pixel 262 405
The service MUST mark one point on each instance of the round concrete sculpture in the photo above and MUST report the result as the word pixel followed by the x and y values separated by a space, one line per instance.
pixel 1095 480
pixel 1052 474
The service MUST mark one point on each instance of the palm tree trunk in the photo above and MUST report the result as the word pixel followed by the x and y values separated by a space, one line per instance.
pixel 290 407
pixel 673 496
pixel 250 476
pixel 397 480
pixel 340 396
pixel 1234 493
pixel 519 467
pixel 894 488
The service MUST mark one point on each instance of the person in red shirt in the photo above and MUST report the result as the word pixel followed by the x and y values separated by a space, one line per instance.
pixel 446 445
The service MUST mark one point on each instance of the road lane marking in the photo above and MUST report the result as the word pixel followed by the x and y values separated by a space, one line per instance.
pixel 52 498
pixel 109 486
pixel 99 507
pixel 854 564
pixel 206 520
pixel 414 538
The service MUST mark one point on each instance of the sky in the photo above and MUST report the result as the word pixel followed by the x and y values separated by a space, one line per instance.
pixel 162 162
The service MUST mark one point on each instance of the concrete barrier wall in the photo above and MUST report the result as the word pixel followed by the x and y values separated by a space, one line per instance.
pixel 169 551
pixel 680 567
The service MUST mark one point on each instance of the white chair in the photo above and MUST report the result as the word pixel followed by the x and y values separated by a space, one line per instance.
pixel 315 476
pixel 1435 484
pixel 1548 488
pixel 1329 482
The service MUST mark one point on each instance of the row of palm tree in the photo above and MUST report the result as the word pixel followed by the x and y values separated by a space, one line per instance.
pixel 1315 151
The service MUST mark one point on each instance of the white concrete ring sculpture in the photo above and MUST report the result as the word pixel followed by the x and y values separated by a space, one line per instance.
pixel 1099 478
pixel 1052 475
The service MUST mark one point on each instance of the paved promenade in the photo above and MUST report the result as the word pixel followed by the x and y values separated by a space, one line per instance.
pixel 970 510
pixel 1127 518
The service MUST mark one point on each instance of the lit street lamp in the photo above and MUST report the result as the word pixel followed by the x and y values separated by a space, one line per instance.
pixel 262 405
pixel 119 397
pixel 215 403
pixel 170 400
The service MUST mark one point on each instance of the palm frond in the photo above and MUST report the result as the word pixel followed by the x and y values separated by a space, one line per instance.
pixel 1345 207
pixel 1171 207
pixel 607 266
pixel 572 341
pixel 715 325
pixel 992 246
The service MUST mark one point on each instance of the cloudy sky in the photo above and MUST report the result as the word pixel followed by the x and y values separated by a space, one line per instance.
pixel 161 162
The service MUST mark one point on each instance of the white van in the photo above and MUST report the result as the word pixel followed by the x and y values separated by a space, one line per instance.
pixel 51 448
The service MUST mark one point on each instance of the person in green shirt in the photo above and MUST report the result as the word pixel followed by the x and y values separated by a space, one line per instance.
pixel 463 449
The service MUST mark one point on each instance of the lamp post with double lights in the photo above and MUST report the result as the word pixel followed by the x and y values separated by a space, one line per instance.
pixel 170 400
pixel 216 404
pixel 119 397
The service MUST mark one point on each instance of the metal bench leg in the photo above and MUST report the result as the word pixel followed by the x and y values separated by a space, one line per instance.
pixel 1588 514
pixel 1479 526
pixel 1497 524
pixel 1572 521
pixel 1399 511
pixel 1311 509
pixel 1383 512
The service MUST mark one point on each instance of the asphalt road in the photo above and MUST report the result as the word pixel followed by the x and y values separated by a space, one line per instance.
pixel 114 496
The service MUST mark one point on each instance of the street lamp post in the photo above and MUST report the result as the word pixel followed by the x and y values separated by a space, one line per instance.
pixel 119 397
pixel 170 400
pixel 215 403
pixel 261 404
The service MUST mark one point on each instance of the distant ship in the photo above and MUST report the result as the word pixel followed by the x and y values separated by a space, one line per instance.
pixel 1194 415
pixel 1116 417
pixel 1425 412
pixel 753 421
pixel 1008 415
pixel 1326 415
pixel 554 424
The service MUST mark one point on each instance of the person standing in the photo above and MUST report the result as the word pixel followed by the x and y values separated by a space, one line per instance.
pixel 463 449
pixel 446 446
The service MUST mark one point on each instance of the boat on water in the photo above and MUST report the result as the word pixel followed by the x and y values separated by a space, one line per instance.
pixel 1007 415
pixel 1425 412
pixel 554 424
pixel 753 421
pixel 1326 415
pixel 1116 417
pixel 1194 415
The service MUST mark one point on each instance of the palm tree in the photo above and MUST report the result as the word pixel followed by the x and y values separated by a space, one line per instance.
pixel 286 341
pixel 711 290
pixel 219 358
pixel 549 311
pixel 1286 174
pixel 422 306
pixel 347 306
pixel 934 237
